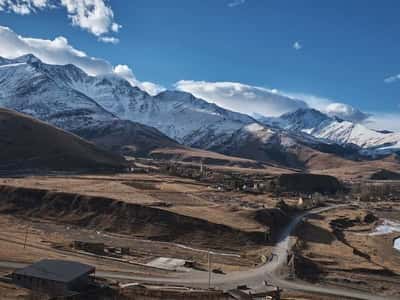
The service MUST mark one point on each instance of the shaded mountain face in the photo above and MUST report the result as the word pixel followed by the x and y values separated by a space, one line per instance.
pixel 334 130
pixel 69 98
pixel 47 93
pixel 29 144
pixel 179 115
pixel 127 138
pixel 109 111
pixel 27 87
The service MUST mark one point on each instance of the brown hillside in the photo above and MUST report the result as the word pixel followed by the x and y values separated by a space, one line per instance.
pixel 26 144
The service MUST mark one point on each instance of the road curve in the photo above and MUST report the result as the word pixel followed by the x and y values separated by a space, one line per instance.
pixel 256 277
pixel 253 278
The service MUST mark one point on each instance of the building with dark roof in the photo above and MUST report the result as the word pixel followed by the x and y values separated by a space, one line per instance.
pixel 55 277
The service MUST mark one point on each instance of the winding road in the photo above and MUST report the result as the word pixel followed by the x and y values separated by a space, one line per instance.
pixel 254 279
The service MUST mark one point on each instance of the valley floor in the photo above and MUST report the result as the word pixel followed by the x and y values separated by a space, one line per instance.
pixel 335 245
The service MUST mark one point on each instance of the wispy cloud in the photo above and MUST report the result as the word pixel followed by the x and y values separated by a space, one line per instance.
pixel 126 72
pixel 268 102
pixel 392 79
pixel 59 51
pixel 297 45
pixel 108 39
pixel 94 16
pixel 23 7
pixel 242 97
pixel 382 120
pixel 234 3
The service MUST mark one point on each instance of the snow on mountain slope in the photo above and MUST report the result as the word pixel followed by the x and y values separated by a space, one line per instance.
pixel 263 144
pixel 179 115
pixel 194 121
pixel 96 107
pixel 45 92
pixel 323 127
pixel 103 109
pixel 26 88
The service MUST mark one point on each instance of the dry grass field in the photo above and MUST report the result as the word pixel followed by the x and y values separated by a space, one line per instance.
pixel 341 248
pixel 154 214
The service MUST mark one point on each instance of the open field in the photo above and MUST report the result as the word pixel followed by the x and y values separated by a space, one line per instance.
pixel 339 249
pixel 175 194
pixel 157 215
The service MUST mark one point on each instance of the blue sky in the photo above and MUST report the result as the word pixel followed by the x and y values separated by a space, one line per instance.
pixel 345 49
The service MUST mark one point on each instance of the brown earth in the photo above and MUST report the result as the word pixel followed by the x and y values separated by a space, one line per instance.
pixel 120 217
pixel 27 143
pixel 337 246
pixel 206 157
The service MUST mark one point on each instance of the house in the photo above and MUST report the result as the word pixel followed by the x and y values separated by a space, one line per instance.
pixel 54 277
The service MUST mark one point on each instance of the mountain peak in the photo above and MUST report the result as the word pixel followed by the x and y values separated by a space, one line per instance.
pixel 27 58
pixel 176 94
pixel 303 119
pixel 305 113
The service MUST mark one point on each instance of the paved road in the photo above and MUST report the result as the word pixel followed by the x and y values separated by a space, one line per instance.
pixel 253 278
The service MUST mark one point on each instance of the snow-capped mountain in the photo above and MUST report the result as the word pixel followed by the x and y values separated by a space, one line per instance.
pixel 109 111
pixel 179 115
pixel 27 87
pixel 101 109
pixel 46 92
pixel 335 130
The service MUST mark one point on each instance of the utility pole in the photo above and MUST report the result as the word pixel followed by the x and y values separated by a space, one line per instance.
pixel 209 269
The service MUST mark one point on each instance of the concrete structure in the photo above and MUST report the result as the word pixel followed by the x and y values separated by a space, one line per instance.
pixel 97 248
pixel 54 277
pixel 172 264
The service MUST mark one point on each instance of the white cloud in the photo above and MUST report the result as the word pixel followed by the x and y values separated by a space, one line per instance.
pixel 297 45
pixel 346 112
pixel 386 121
pixel 392 79
pixel 241 97
pixel 317 102
pixel 115 27
pixel 125 72
pixel 95 16
pixel 59 51
pixel 234 3
pixel 151 87
pixel 23 7
pixel 331 107
pixel 268 102
pixel 108 39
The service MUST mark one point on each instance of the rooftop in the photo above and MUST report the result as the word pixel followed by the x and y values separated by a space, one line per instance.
pixel 56 270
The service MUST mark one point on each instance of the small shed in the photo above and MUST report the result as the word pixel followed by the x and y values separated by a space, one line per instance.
pixel 55 277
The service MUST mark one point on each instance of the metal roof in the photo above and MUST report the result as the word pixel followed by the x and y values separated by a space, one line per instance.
pixel 56 270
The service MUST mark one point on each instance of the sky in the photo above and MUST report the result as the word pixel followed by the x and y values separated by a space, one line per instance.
pixel 341 57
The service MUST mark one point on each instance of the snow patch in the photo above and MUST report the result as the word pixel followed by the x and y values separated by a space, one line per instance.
pixel 12 65
pixel 386 227
pixel 338 131
pixel 396 244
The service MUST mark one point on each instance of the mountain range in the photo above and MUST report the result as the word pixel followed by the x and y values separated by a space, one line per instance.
pixel 112 113
pixel 336 130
